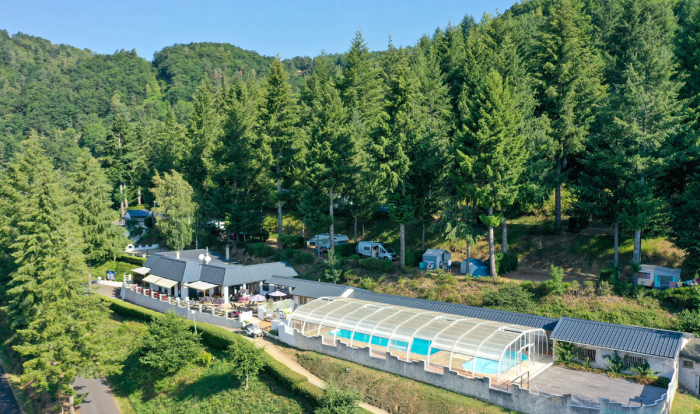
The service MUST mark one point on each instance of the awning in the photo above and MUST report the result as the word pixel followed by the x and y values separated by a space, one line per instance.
pixel 199 285
pixel 166 283
pixel 142 270
pixel 151 279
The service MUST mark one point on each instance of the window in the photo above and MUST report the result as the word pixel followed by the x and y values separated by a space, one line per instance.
pixel 266 286
pixel 587 353
pixel 303 300
pixel 633 361
pixel 687 364
pixel 644 275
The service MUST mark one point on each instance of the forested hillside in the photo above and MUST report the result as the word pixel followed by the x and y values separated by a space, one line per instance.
pixel 476 124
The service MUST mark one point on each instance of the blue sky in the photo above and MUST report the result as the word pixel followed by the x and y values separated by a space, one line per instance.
pixel 290 28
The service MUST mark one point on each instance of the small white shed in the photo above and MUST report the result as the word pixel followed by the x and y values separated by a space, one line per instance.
pixel 437 257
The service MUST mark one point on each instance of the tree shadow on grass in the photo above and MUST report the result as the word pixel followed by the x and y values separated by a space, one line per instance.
pixel 276 387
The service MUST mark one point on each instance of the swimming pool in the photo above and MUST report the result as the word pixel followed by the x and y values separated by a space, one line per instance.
pixel 490 366
pixel 420 346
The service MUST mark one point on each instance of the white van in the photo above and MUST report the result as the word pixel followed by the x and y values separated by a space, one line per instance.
pixel 324 240
pixel 376 250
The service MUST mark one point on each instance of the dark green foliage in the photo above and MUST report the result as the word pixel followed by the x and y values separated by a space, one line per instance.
pixel 168 343
pixel 338 400
pixel 376 265
pixel 565 352
pixel 414 257
pixel 346 250
pixel 608 275
pixel 506 262
pixel 293 242
pixel 616 363
pixel 510 297
pixel 249 360
pixel 577 224
pixel 555 285
pixel 689 321
pixel 135 260
pixel 259 250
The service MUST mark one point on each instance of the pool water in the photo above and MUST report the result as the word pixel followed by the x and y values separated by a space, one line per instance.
pixel 420 346
pixel 490 366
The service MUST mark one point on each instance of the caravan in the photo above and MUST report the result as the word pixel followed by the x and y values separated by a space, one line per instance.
pixel 323 241
pixel 376 250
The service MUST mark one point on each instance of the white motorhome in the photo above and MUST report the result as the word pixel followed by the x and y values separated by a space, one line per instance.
pixel 376 250
pixel 324 240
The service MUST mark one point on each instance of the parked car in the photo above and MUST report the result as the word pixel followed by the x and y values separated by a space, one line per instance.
pixel 253 330
pixel 375 250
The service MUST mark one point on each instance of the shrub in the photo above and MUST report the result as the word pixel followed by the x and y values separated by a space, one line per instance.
pixel 205 358
pixel 645 375
pixel 346 250
pixel 574 287
pixel 337 400
pixel 260 250
pixel 588 287
pixel 354 257
pixel 608 274
pixel 375 264
pixel 240 245
pixel 527 285
pixel 616 363
pixel 294 242
pixel 555 284
pixel 506 262
pixel 303 258
pixel 168 342
pixel 369 284
pixel 604 289
pixel 334 267
pixel 689 321
pixel 566 352
pixel 577 224
pixel 248 360
pixel 135 260
pixel 510 297
pixel 413 258
pixel 622 288
pixel 442 277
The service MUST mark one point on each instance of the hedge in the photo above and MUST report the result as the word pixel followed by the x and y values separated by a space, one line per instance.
pixel 608 274
pixel 135 260
pixel 414 257
pixel 506 262
pixel 216 337
pixel 346 250
pixel 376 264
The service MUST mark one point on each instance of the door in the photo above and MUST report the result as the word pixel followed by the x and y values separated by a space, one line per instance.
pixel 697 385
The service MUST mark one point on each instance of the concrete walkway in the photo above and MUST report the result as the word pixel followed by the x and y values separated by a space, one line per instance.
pixel 8 403
pixel 99 399
pixel 280 356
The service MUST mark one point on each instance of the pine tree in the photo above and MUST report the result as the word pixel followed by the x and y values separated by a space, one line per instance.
pixel 278 126
pixel 571 86
pixel 647 111
pixel 175 203
pixel 118 157
pixel 490 150
pixel 169 145
pixel 92 208
pixel 330 150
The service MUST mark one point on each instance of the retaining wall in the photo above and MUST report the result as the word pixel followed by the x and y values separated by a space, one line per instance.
pixel 160 306
pixel 517 399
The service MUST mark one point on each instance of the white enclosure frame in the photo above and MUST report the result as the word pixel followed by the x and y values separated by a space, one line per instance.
pixel 509 347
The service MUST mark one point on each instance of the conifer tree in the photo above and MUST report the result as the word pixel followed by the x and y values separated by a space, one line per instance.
pixel 118 158
pixel 571 86
pixel 490 150
pixel 93 211
pixel 169 145
pixel 175 203
pixel 646 108
pixel 278 126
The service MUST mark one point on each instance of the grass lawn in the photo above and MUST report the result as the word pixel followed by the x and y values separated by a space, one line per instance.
pixel 118 267
pixel 684 404
pixel 390 392
pixel 194 388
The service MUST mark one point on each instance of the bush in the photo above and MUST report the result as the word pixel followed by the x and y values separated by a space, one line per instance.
pixel 413 258
pixel 346 250
pixel 337 400
pixel 577 224
pixel 604 289
pixel 354 257
pixel 506 262
pixel 168 342
pixel 510 297
pixel 645 375
pixel 608 274
pixel 689 321
pixel 205 358
pixel 623 288
pixel 376 264
pixel 240 245
pixel 442 277
pixel 555 284
pixel 616 364
pixel 566 352
pixel 303 258
pixel 135 260
pixel 259 250
pixel 294 242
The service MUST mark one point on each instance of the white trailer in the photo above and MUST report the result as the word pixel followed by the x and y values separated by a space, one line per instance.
pixel 375 250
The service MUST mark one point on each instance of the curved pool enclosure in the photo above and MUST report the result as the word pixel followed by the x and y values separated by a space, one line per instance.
pixel 468 346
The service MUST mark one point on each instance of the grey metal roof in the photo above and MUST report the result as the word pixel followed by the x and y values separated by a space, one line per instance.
pixel 152 260
pixel 648 341
pixel 138 213
pixel 178 270
pixel 309 288
pixel 193 254
pixel 532 321
pixel 692 350
pixel 238 275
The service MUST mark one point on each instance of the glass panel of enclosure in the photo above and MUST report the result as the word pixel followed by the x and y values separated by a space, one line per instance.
pixel 465 345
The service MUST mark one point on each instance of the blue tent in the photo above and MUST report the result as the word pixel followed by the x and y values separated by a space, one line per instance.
pixel 477 268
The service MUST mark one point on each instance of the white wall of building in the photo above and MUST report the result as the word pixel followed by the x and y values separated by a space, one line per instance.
pixel 689 376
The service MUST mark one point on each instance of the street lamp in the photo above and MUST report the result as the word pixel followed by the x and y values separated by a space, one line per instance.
pixel 195 323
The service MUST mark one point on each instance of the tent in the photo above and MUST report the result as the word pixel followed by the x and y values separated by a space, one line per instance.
pixel 477 268
pixel 436 257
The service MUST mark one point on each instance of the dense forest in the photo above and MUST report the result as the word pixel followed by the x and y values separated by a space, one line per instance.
pixel 594 101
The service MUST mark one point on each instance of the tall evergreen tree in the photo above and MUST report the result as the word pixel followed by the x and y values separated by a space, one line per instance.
pixel 278 125
pixel 175 203
pixel 571 85
pixel 92 209
pixel 490 150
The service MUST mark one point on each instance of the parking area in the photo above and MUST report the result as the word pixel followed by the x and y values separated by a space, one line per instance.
pixel 586 387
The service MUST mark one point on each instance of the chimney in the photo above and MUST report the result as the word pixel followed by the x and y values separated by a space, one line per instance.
pixel 177 254
pixel 227 252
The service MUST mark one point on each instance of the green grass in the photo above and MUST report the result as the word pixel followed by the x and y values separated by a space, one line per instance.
pixel 684 404
pixel 390 392
pixel 118 267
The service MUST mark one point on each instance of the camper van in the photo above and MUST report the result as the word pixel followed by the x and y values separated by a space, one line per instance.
pixel 376 250
pixel 323 240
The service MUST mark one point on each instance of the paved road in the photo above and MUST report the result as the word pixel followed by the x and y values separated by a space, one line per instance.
pixel 99 399
pixel 8 404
